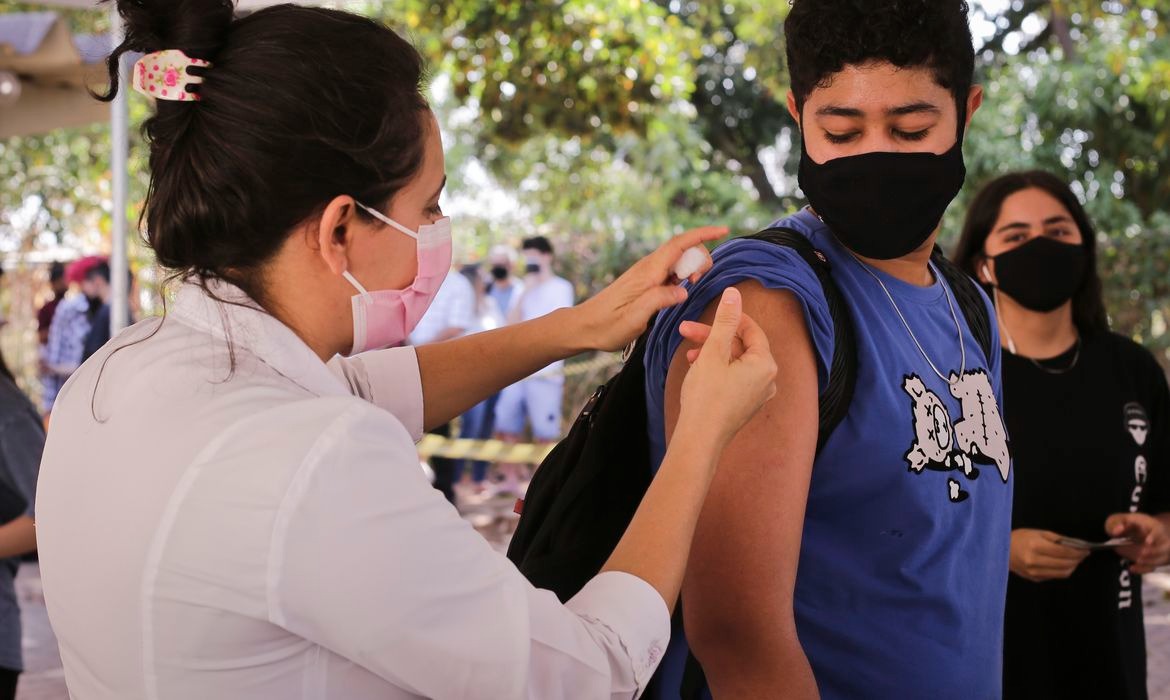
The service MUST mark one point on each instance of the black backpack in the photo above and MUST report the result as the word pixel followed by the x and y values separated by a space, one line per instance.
pixel 586 491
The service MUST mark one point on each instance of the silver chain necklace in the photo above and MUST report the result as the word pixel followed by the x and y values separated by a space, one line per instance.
pixel 1061 370
pixel 954 316
pixel 1012 345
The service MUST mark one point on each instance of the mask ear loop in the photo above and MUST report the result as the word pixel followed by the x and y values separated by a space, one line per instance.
pixel 386 220
pixel 357 285
pixel 998 313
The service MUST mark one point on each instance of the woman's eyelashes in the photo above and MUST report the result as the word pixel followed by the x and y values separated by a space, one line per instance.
pixel 1020 236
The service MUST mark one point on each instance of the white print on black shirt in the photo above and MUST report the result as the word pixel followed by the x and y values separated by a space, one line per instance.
pixel 942 445
pixel 1137 422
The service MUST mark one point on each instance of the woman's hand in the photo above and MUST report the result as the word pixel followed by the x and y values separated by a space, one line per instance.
pixel 1036 556
pixel 1151 547
pixel 621 311
pixel 731 377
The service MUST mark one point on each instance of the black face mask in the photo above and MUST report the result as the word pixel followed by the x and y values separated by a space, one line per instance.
pixel 1042 274
pixel 499 273
pixel 533 269
pixel 95 303
pixel 883 205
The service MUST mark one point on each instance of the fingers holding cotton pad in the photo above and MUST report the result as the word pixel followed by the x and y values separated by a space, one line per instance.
pixel 694 261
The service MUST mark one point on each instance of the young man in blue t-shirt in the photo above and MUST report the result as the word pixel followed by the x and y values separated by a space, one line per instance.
pixel 876 568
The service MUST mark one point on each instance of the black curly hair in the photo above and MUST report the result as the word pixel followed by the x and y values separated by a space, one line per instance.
pixel 824 36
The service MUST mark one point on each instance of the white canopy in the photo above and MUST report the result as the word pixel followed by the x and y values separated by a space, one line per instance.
pixel 54 68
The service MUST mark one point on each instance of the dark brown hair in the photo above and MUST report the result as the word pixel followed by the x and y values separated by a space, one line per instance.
pixel 1088 305
pixel 299 106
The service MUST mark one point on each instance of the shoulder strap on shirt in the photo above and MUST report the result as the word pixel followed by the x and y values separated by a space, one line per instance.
pixel 969 300
pixel 838 394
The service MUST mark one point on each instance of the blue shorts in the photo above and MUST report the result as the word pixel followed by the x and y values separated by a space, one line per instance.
pixel 535 401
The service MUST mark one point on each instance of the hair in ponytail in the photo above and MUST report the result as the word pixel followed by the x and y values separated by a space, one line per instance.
pixel 299 106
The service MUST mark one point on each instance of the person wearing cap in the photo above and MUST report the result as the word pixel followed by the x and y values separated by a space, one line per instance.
pixel 498 298
pixel 72 321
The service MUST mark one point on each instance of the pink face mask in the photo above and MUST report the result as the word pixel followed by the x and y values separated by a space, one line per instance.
pixel 387 317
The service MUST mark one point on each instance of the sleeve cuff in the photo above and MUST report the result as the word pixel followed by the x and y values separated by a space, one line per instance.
pixel 634 611
pixel 390 380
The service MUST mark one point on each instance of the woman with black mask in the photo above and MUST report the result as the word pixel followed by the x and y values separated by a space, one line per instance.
pixel 1087 413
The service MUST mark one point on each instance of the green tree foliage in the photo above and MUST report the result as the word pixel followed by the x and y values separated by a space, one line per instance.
pixel 1079 87
pixel 1087 96
pixel 613 123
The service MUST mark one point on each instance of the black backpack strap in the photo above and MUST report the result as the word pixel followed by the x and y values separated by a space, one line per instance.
pixel 969 300
pixel 834 400
pixel 838 394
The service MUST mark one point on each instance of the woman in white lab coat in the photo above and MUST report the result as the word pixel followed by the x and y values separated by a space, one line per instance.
pixel 228 509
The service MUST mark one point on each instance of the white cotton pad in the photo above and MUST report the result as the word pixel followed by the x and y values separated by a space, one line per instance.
pixel 691 262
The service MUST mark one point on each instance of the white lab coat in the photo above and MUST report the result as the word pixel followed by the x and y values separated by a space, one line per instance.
pixel 265 532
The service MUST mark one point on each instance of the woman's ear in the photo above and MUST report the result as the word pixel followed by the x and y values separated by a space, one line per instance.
pixel 334 233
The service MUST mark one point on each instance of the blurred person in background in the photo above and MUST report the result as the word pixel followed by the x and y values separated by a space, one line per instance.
pixel 505 287
pixel 72 320
pixel 451 315
pixel 59 286
pixel 501 296
pixel 534 403
pixel 479 422
pixel 1088 412
pixel 99 287
pixel 22 439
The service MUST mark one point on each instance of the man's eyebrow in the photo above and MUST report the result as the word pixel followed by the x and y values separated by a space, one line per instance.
pixel 899 111
pixel 837 111
pixel 914 108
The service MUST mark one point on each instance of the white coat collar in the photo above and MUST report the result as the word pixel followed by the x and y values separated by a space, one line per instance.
pixel 235 318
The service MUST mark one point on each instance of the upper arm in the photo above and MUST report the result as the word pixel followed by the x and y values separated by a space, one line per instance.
pixel 22 440
pixel 737 595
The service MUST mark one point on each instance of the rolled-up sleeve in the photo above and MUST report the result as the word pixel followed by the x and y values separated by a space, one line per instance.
pixel 425 602
pixel 390 380
pixel 623 616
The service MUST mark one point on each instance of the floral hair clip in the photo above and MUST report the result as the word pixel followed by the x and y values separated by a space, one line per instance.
pixel 164 76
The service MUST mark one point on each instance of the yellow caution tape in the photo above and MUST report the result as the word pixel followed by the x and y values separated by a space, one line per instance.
pixel 599 362
pixel 497 451
pixel 482 450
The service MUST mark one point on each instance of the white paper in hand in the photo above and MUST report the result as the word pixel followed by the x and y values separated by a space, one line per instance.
pixel 691 262
pixel 1076 543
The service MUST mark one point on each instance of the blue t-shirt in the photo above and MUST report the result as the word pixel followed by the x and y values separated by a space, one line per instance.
pixel 904 559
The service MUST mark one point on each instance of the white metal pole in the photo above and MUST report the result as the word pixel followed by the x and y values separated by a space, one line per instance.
pixel 119 157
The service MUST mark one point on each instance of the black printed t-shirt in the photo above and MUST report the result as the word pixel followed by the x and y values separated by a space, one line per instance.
pixel 1086 444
